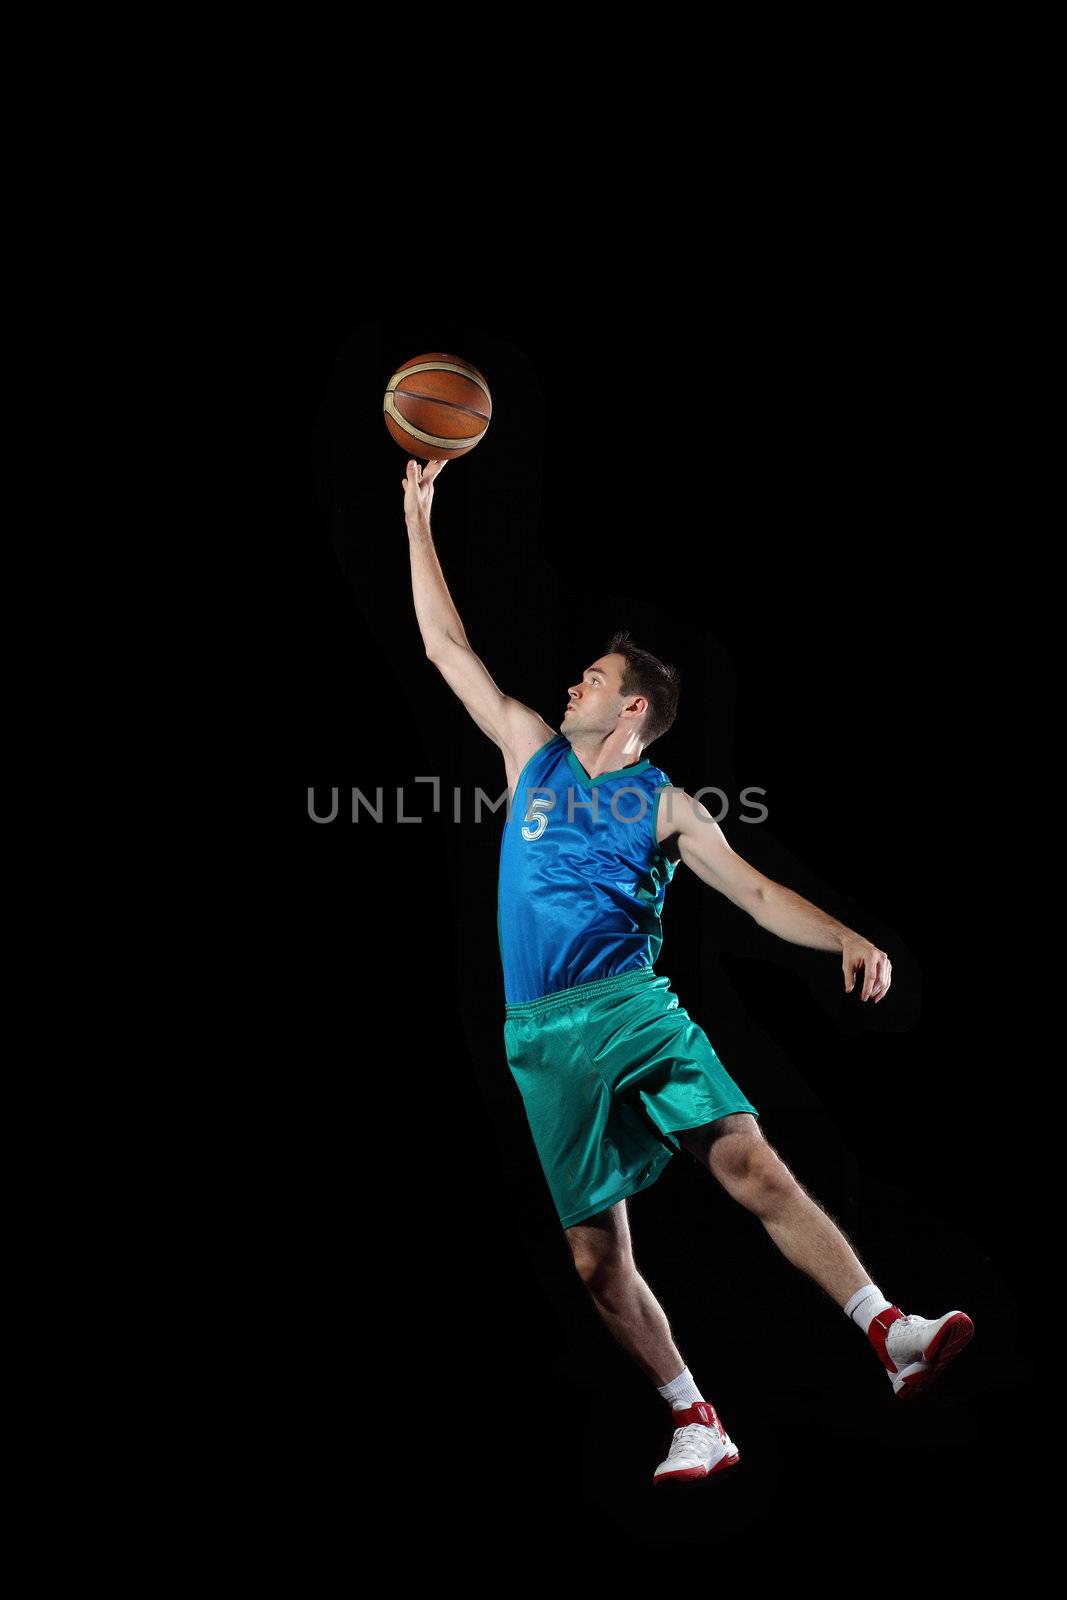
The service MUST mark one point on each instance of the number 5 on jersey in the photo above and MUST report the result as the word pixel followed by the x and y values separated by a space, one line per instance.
pixel 536 827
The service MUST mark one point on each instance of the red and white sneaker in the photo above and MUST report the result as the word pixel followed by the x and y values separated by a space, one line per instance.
pixel 915 1350
pixel 701 1446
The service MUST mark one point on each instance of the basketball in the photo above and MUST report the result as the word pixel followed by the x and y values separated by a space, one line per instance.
pixel 437 407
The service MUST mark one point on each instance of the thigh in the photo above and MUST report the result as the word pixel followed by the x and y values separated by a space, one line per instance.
pixel 656 1059
pixel 593 1153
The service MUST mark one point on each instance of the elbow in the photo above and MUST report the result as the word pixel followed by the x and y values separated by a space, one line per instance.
pixel 436 647
pixel 757 898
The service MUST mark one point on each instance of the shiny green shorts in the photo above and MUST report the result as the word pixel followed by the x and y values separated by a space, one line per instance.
pixel 608 1072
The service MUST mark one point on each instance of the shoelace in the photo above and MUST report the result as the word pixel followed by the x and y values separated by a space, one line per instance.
pixel 912 1320
pixel 687 1441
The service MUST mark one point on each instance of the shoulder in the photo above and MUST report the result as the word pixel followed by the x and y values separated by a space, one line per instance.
pixel 527 732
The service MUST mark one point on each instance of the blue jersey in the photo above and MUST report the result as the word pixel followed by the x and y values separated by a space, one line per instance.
pixel 582 877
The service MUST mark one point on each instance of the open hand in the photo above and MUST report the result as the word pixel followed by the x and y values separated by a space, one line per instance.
pixel 418 488
pixel 877 968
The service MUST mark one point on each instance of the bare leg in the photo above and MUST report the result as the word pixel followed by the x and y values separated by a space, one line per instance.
pixel 604 1258
pixel 734 1150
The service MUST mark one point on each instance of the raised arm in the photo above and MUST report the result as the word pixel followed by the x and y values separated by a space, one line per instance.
pixel 512 726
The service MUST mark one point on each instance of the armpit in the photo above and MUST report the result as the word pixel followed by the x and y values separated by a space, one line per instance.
pixel 671 848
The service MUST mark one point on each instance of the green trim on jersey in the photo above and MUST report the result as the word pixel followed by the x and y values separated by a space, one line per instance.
pixel 655 813
pixel 602 777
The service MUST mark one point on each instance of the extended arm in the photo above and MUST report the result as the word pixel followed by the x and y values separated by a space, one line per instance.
pixel 439 621
pixel 510 724
pixel 704 848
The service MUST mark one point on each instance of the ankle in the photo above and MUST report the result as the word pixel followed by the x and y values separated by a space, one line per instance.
pixel 681 1391
pixel 866 1304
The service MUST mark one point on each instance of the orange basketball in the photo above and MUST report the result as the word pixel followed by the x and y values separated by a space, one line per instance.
pixel 437 407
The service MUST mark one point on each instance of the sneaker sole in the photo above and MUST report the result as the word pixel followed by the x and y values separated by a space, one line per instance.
pixel 694 1474
pixel 948 1341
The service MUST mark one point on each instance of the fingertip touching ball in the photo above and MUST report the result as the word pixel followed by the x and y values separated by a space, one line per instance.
pixel 437 407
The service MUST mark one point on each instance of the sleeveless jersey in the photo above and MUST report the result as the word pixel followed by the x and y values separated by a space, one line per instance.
pixel 582 878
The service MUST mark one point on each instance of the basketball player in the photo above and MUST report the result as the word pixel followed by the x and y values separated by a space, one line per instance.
pixel 614 1074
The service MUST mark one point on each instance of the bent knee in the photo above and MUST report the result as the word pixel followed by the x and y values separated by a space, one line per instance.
pixel 775 1177
pixel 604 1272
pixel 752 1165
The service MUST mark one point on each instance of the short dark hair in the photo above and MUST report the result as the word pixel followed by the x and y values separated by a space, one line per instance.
pixel 646 674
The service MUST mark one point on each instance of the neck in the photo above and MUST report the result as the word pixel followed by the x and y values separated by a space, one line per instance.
pixel 607 754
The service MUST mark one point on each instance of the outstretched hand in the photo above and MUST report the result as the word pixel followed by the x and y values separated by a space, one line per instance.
pixel 418 488
pixel 877 968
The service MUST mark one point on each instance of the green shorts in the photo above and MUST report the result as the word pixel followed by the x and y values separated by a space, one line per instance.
pixel 608 1072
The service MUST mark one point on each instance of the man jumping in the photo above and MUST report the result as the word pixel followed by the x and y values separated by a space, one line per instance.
pixel 614 1074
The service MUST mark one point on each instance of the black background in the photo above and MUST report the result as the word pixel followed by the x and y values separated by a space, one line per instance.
pixel 770 498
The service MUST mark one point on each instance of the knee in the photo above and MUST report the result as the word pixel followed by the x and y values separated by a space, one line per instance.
pixel 774 1177
pixel 604 1273
pixel 756 1175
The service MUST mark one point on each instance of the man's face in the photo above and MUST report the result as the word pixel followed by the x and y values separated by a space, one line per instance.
pixel 593 705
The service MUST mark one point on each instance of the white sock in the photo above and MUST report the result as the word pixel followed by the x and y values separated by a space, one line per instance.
pixel 865 1305
pixel 681 1391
